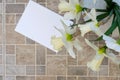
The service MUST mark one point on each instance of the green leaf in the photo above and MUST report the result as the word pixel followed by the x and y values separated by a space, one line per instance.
pixel 108 2
pixel 102 16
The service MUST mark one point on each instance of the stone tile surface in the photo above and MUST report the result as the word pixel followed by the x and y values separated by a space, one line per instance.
pixel 59 65
pixel 23 59
pixel 12 37
pixel 25 54
pixel 13 8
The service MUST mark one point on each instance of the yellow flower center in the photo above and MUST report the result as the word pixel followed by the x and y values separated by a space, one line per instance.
pixel 68 37
pixel 102 50
pixel 97 24
pixel 78 8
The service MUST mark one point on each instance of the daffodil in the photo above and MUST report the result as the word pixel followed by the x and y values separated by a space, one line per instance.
pixel 112 43
pixel 91 26
pixel 67 39
pixel 72 9
pixel 98 58
pixel 57 43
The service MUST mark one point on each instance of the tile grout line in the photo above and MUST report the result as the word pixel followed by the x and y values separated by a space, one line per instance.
pixel 4 38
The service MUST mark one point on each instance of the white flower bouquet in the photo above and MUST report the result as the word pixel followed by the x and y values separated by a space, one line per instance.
pixel 75 11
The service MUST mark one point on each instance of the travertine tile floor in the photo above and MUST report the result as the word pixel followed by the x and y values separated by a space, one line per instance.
pixel 24 59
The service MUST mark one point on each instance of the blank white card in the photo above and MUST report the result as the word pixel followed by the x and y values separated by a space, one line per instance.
pixel 37 23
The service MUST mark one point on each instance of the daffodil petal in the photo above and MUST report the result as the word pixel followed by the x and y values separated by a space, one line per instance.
pixel 92 15
pixel 63 6
pixel 113 57
pixel 96 29
pixel 77 45
pixel 74 2
pixel 96 62
pixel 84 29
pixel 91 45
pixel 69 15
pixel 69 48
pixel 68 29
pixel 57 43
pixel 107 38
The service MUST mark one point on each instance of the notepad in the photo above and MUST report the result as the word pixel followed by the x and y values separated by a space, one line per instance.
pixel 37 23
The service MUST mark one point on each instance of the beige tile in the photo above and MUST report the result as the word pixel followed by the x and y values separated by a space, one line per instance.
pixel 0 1
pixel 10 18
pixel 13 37
pixel 1 9
pixel 40 70
pixel 10 78
pixel 50 52
pixel 92 73
pixel 10 59
pixel 87 78
pixel 18 16
pixel 77 70
pixel 61 78
pixel 1 59
pixel 86 54
pixel 15 70
pixel 103 70
pixel 45 78
pixel 56 65
pixel 2 69
pixel 105 61
pixel 25 78
pixel 108 78
pixel 1 49
pixel 29 41
pixel 10 1
pixel 41 0
pixel 114 69
pixel 10 49
pixel 62 52
pixel 15 8
pixel 71 78
pixel 22 1
pixel 1 33
pixel 1 77
pixel 0 18
pixel 40 57
pixel 72 61
pixel 30 70
pixel 52 5
pixel 25 54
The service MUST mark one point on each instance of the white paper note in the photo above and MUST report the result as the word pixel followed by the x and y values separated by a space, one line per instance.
pixel 37 23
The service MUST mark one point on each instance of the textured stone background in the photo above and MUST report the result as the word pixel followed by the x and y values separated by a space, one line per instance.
pixel 24 59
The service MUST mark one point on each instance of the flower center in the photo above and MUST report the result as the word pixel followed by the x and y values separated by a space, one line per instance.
pixel 97 24
pixel 78 8
pixel 68 37
pixel 118 41
pixel 102 50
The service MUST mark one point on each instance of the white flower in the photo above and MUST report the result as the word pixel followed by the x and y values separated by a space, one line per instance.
pixel 68 41
pixel 117 1
pixel 91 26
pixel 100 54
pixel 111 43
pixel 72 9
pixel 57 43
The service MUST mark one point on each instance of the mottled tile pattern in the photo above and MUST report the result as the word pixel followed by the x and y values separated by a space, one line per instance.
pixel 24 59
pixel 15 8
